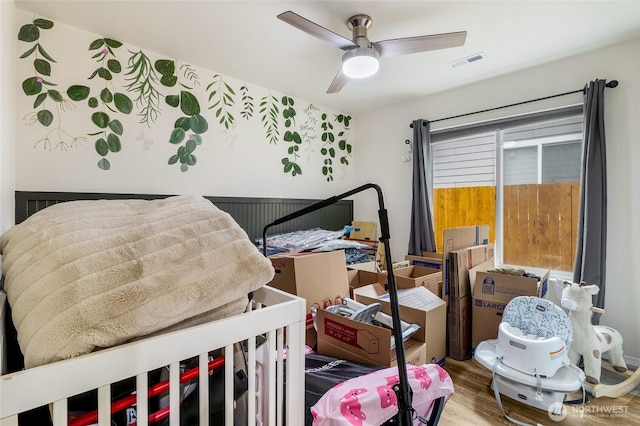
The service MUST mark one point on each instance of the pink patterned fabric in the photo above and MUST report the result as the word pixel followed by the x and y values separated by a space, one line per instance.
pixel 370 399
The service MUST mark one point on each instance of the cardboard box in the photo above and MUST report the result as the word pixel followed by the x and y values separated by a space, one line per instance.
pixel 415 276
pixel 428 260
pixel 320 278
pixel 361 274
pixel 364 230
pixel 460 261
pixel 356 341
pixel 491 293
pixel 417 306
pixel 459 324
pixel 460 238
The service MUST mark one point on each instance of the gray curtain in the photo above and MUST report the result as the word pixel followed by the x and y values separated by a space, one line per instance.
pixel 590 265
pixel 421 236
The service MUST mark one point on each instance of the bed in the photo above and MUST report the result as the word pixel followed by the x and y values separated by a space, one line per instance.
pixel 273 317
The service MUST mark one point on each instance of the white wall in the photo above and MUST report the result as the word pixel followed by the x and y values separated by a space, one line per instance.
pixel 381 136
pixel 238 161
pixel 7 113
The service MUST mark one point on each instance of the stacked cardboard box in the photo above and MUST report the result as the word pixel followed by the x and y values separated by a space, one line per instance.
pixel 493 290
pixel 320 278
pixel 459 315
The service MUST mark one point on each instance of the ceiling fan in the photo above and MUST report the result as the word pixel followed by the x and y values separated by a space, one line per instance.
pixel 361 57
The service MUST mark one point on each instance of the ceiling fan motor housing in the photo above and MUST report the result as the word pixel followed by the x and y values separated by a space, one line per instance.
pixel 359 24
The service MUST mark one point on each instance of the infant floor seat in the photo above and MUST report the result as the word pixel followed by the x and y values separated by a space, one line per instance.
pixel 529 359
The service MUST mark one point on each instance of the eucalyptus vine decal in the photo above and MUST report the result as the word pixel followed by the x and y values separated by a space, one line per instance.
pixel 191 121
pixel 136 86
pixel 343 145
pixel 308 128
pixel 247 103
pixel 110 129
pixel 289 115
pixel 143 79
pixel 328 139
pixel 35 86
pixel 269 116
pixel 328 151
pixel 222 98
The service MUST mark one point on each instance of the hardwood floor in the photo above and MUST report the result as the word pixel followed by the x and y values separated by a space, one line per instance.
pixel 474 404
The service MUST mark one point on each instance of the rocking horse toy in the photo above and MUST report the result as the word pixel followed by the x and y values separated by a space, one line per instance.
pixel 591 341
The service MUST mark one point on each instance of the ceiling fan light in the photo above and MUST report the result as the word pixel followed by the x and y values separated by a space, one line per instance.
pixel 360 62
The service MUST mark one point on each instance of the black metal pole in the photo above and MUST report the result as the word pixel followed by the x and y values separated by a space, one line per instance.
pixel 405 409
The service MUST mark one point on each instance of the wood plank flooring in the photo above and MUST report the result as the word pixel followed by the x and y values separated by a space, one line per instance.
pixel 474 404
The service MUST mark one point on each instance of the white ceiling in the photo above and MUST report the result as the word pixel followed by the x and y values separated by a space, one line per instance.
pixel 245 40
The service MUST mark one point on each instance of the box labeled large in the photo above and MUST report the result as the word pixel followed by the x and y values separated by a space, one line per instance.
pixel 493 290
pixel 460 238
pixel 319 278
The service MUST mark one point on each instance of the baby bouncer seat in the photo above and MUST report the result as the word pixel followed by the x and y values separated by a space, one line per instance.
pixel 529 359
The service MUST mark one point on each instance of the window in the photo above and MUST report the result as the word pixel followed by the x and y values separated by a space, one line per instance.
pixel 520 176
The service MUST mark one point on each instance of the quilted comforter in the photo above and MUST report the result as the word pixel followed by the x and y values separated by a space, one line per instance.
pixel 85 275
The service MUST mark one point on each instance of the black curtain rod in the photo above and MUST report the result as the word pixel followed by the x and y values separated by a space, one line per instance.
pixel 611 84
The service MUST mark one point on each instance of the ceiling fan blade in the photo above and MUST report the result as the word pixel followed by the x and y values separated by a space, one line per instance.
pixel 402 46
pixel 338 82
pixel 316 30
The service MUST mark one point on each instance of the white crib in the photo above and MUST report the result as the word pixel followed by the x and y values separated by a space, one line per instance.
pixel 277 314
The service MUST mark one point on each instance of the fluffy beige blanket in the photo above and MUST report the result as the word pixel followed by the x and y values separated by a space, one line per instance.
pixel 85 275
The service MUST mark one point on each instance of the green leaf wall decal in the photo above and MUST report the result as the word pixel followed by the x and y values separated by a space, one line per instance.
pixel 39 100
pixel 114 142
pixel 104 164
pixel 188 103
pixel 123 103
pixel 45 117
pixel 102 147
pixel 28 33
pixel 177 135
pixel 43 67
pixel 77 92
pixel 100 119
pixel 55 95
pixel 116 127
pixel 32 86
pixel 45 24
pixel 114 66
pixel 198 124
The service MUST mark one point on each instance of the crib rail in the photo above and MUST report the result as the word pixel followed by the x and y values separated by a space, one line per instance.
pixel 277 314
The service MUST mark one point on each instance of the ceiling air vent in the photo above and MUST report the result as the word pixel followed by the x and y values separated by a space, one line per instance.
pixel 469 59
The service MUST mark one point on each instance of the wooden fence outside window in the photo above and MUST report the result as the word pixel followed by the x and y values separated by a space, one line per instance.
pixel 540 221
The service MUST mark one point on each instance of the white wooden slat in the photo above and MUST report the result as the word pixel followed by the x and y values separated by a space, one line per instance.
pixel 251 371
pixel 104 405
pixel 203 388
pixel 60 413
pixel 295 373
pixel 279 373
pixel 142 399
pixel 174 393
pixel 270 378
pixel 228 385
